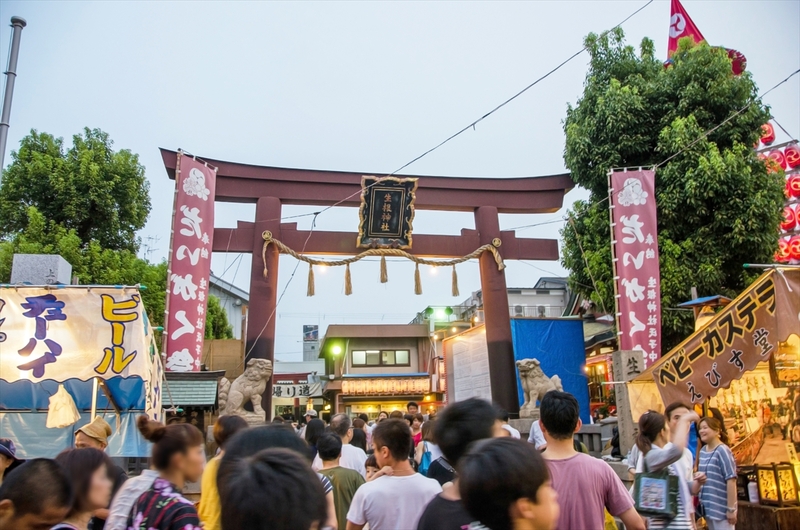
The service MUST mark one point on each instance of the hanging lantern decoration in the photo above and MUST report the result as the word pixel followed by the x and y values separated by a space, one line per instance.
pixel 794 248
pixel 782 255
pixel 738 61
pixel 777 484
pixel 792 155
pixel 789 219
pixel 777 156
pixel 767 134
pixel 793 186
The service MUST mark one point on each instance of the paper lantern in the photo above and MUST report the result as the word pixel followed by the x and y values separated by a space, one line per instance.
pixel 782 255
pixel 792 155
pixel 767 134
pixel 794 248
pixel 777 156
pixel 789 219
pixel 793 186
pixel 738 61
pixel 777 484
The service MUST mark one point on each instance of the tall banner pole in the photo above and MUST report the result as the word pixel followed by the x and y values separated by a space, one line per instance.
pixel 11 76
pixel 165 333
pixel 615 276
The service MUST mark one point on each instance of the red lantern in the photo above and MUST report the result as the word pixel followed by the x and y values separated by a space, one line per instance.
pixel 794 248
pixel 793 186
pixel 767 134
pixel 789 219
pixel 777 156
pixel 738 61
pixel 792 155
pixel 782 255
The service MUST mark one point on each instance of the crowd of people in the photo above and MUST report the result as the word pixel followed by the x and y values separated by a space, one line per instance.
pixel 465 468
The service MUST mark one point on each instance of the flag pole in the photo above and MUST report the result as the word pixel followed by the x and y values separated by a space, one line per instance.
pixel 11 75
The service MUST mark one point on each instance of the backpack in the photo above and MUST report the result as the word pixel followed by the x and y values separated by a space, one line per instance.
pixel 425 462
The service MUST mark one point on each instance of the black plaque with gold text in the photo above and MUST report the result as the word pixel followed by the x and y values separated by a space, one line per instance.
pixel 387 212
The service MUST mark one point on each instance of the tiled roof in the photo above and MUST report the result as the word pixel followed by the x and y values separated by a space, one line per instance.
pixel 191 393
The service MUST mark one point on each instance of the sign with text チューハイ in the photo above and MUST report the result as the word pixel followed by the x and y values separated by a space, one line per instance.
pixel 635 240
pixel 189 264
pixel 386 214
pixel 752 329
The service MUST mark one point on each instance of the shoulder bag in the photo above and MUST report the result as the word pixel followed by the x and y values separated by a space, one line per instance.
pixel 655 494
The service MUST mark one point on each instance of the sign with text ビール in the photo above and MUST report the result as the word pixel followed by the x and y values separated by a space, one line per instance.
pixel 635 239
pixel 190 264
pixel 386 214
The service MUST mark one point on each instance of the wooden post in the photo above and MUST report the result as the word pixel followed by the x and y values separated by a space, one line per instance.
pixel 264 293
pixel 627 365
pixel 502 369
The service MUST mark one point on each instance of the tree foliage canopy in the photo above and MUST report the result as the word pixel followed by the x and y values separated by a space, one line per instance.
pixel 99 193
pixel 718 207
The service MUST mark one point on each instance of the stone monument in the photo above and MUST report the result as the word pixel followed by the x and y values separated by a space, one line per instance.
pixel 535 384
pixel 248 387
pixel 40 269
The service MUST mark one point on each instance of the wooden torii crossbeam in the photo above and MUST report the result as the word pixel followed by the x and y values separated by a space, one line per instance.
pixel 271 187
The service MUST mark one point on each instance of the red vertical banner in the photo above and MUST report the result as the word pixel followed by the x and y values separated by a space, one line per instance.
pixel 189 264
pixel 634 232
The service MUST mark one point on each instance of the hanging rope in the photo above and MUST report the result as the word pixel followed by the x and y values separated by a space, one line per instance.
pixel 382 252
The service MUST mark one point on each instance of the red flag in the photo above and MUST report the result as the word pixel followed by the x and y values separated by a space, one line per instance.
pixel 680 25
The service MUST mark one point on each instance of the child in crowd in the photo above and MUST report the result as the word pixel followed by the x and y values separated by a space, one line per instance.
pixel 373 471
pixel 345 481
pixel 504 484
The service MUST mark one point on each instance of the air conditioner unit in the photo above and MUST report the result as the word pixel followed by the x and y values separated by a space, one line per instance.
pixel 519 310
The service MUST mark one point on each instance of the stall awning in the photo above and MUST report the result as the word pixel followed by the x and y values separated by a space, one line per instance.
pixel 193 389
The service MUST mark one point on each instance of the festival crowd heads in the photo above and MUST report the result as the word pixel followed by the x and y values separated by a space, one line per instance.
pixel 464 468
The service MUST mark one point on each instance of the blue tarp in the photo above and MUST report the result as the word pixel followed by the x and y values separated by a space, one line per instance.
pixel 128 393
pixel 34 439
pixel 558 345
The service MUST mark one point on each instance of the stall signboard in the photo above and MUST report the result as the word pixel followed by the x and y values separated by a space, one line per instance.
pixel 78 333
pixel 748 331
pixel 189 264
pixel 386 213
pixel 637 274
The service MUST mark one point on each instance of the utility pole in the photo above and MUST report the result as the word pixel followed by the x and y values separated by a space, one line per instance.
pixel 11 75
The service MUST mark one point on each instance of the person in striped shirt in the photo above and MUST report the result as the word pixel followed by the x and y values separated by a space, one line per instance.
pixel 718 470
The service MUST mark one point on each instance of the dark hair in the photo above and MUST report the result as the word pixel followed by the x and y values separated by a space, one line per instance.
pixel 494 474
pixel 340 424
pixel 35 485
pixel 419 417
pixel 716 425
pixel 358 423
pixel 396 415
pixel 651 423
pixel 314 429
pixel 460 424
pixel 383 412
pixel 275 489
pixel 412 404
pixel 723 431
pixel 168 439
pixel 329 447
pixel 79 465
pixel 278 419
pixel 409 418
pixel 363 417
pixel 359 439
pixel 227 426
pixel 501 413
pixel 396 435
pixel 672 407
pixel 559 413
pixel 371 461
pixel 427 431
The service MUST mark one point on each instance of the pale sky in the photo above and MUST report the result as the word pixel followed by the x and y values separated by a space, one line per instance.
pixel 354 86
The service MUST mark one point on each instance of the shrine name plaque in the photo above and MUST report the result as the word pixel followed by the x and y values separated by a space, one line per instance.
pixel 387 212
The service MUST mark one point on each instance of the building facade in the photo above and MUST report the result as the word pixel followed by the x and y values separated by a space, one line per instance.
pixel 234 301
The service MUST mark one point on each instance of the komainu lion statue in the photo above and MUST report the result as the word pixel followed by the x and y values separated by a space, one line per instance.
pixel 247 387
pixel 535 384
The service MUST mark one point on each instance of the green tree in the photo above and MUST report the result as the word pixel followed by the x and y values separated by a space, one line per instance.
pixel 718 207
pixel 217 326
pixel 99 193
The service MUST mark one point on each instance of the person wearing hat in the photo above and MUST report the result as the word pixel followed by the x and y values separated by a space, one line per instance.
pixel 8 457
pixel 95 435
pixel 310 415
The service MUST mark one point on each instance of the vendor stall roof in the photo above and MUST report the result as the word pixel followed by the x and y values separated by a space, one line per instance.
pixel 193 388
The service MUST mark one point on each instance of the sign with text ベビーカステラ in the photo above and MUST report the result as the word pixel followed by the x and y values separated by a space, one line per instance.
pixel 756 327
pixel 386 214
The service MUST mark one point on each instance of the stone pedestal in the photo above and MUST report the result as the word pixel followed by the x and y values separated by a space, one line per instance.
pixel 523 425
pixel 627 365
pixel 40 269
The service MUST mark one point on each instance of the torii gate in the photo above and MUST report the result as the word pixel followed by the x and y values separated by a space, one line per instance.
pixel 271 187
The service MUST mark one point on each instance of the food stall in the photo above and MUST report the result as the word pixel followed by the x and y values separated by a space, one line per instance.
pixel 68 353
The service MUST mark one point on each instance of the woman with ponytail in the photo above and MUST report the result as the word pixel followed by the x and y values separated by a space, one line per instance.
pixel 659 453
pixel 718 469
pixel 178 457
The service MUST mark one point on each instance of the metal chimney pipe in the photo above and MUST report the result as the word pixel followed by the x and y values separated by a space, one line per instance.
pixel 11 75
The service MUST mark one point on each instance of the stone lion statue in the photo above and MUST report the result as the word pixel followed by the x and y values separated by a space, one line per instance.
pixel 535 384
pixel 247 387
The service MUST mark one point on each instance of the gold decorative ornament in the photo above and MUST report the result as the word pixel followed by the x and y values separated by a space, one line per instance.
pixel 496 242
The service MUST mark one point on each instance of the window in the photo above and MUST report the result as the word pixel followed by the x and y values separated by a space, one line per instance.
pixel 381 358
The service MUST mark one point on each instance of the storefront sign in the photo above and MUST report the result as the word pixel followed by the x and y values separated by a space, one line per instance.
pixel 387 212
pixel 748 331
pixel 390 386
pixel 190 264
pixel 635 240
pixel 297 391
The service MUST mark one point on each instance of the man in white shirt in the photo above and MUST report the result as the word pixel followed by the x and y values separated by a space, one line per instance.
pixel 310 415
pixel 392 502
pixel 352 457
pixel 502 417
pixel 123 501
pixel 536 437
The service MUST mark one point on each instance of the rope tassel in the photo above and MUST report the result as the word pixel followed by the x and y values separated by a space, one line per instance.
pixel 310 290
pixel 348 282
pixel 417 281
pixel 455 281
pixel 384 272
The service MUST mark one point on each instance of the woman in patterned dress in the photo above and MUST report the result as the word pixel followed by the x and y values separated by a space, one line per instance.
pixel 178 456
